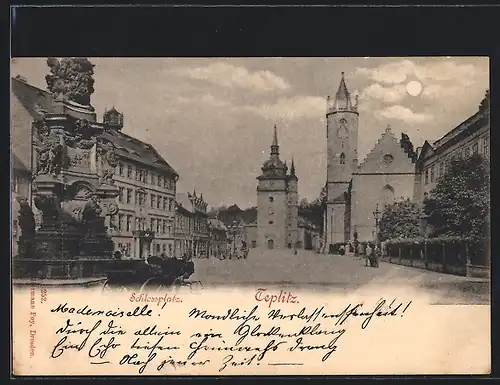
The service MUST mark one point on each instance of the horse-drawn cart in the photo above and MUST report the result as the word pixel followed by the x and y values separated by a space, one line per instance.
pixel 152 275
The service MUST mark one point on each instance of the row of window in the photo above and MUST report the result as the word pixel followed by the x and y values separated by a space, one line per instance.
pixel 162 249
pixel 126 249
pixel 438 170
pixel 140 199
pixel 124 222
pixel 191 224
pixel 143 175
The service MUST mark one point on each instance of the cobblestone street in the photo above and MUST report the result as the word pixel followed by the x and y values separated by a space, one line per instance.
pixel 334 272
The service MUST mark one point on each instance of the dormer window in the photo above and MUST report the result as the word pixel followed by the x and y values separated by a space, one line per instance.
pixel 342 158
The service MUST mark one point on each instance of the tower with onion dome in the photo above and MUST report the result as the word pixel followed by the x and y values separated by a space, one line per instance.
pixel 277 202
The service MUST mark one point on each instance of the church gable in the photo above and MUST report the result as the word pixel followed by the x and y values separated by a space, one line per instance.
pixel 387 157
pixel 427 150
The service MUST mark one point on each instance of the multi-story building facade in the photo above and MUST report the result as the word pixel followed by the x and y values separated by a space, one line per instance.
pixel 251 234
pixel 277 202
pixel 218 237
pixel 192 230
pixel 472 136
pixel 184 225
pixel 144 223
pixel 201 235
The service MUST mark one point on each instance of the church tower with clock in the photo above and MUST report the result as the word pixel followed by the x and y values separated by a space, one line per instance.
pixel 342 161
pixel 277 202
pixel 356 194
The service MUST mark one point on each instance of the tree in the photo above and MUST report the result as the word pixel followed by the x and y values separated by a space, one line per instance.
pixel 407 146
pixel 71 79
pixel 313 212
pixel 400 220
pixel 460 203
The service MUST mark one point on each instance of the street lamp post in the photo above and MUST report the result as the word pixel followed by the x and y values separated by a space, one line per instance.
pixel 232 231
pixel 376 214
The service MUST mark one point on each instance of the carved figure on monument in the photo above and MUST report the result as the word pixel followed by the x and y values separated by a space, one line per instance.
pixel 79 159
pixel 78 214
pixel 83 193
pixel 108 161
pixel 50 160
pixel 92 209
pixel 107 177
pixel 41 128
pixel 91 216
pixel 112 158
pixel 83 131
pixel 50 149
pixel 49 206
pixel 71 79
pixel 112 208
pixel 82 135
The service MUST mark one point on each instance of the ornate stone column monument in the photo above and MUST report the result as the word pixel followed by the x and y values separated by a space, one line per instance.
pixel 73 185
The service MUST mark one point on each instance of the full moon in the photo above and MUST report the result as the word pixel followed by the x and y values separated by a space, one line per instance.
pixel 414 88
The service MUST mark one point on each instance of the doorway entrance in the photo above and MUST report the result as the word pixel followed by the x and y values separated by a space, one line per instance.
pixel 270 244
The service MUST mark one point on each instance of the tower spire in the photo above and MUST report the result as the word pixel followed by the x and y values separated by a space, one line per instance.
pixel 342 97
pixel 292 168
pixel 274 146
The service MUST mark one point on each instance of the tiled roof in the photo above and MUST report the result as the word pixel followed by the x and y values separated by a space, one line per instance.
pixel 217 223
pixel 35 99
pixel 138 151
pixel 32 98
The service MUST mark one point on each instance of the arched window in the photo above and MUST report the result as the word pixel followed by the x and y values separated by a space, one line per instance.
pixel 343 133
pixel 342 158
pixel 387 197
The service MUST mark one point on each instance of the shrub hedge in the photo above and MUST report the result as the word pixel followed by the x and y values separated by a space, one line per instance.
pixel 446 250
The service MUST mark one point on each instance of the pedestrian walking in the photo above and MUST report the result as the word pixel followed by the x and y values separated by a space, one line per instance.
pixel 376 253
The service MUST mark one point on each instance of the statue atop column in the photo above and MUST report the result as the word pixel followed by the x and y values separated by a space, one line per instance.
pixel 73 185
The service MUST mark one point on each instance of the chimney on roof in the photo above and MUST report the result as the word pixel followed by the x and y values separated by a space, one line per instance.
pixel 21 78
